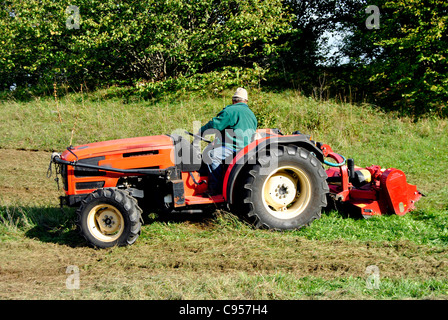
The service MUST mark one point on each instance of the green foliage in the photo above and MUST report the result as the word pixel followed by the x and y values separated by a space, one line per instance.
pixel 405 59
pixel 202 83
pixel 177 46
pixel 417 42
pixel 31 42
pixel 130 41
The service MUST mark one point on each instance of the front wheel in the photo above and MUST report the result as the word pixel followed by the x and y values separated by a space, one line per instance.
pixel 109 217
pixel 286 189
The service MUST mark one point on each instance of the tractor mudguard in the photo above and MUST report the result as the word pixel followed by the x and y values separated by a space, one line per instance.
pixel 251 152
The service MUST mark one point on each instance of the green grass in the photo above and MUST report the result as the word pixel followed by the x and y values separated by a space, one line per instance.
pixel 217 256
pixel 428 227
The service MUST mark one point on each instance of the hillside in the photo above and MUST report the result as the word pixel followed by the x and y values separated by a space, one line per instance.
pixel 215 255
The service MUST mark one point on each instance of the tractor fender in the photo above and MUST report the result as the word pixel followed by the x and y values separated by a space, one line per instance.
pixel 249 155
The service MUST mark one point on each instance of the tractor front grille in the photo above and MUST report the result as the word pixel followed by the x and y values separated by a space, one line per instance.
pixel 88 172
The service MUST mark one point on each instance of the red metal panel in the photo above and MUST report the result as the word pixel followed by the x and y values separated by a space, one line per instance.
pixel 400 195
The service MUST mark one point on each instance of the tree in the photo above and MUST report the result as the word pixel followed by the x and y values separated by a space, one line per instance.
pixel 405 59
pixel 127 41
pixel 32 44
pixel 301 61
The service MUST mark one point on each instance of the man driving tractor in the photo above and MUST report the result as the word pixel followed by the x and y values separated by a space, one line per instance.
pixel 236 124
pixel 114 182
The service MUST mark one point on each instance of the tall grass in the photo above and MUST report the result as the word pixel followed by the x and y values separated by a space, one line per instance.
pixel 47 223
pixel 418 147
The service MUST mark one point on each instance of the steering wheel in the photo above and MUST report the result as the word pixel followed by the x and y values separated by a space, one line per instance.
pixel 198 137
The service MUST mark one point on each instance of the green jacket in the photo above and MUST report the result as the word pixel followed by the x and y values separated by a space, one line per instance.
pixel 237 125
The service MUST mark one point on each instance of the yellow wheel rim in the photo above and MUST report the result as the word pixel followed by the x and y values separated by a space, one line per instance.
pixel 105 222
pixel 286 192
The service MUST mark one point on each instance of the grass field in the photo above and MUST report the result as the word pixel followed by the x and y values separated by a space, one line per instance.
pixel 215 255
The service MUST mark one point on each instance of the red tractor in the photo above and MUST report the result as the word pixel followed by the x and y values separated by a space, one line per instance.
pixel 277 182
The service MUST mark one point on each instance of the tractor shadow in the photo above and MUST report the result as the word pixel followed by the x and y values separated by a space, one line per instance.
pixel 203 216
pixel 46 224
pixel 55 225
pixel 346 211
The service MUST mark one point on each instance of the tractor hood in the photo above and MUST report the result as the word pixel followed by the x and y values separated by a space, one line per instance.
pixel 119 146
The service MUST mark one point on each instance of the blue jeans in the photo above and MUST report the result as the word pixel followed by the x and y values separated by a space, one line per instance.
pixel 217 157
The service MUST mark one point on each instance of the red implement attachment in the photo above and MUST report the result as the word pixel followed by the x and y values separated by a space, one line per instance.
pixel 371 190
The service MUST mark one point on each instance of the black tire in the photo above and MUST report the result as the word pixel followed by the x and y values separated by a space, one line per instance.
pixel 267 202
pixel 109 217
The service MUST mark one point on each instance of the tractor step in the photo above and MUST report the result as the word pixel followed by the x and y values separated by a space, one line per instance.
pixel 191 200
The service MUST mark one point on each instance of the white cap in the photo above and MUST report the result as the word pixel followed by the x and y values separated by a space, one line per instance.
pixel 240 93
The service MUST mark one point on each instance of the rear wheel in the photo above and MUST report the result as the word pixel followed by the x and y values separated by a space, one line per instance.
pixel 109 217
pixel 287 195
